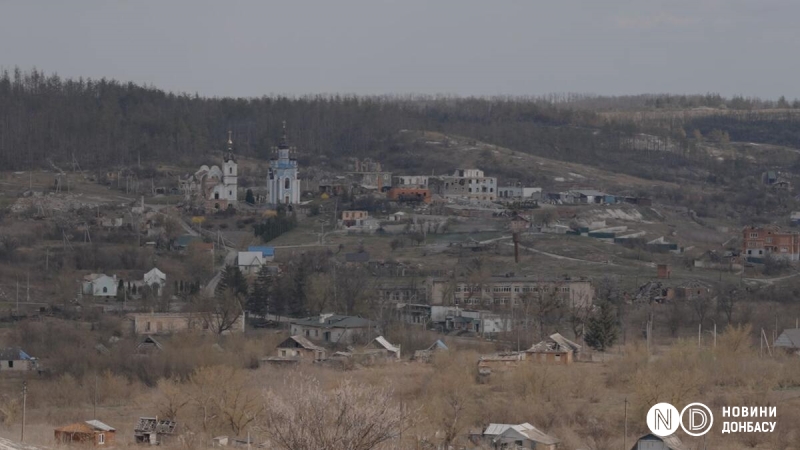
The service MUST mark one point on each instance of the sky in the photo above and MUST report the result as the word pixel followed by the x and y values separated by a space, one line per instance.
pixel 248 48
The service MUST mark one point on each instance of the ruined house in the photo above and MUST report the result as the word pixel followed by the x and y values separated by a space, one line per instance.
pixel 154 431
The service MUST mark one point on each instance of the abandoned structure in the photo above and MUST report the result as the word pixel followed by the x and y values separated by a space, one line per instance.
pixel 467 184
pixel 154 431
pixel 522 436
pixel 508 290
pixel 299 348
pixel 15 359
pixel 334 328
pixel 168 323
pixel 556 349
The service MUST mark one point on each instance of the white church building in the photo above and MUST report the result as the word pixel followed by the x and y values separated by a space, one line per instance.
pixel 283 186
pixel 217 186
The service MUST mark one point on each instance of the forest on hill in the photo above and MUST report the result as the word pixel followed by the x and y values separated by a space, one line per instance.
pixel 106 123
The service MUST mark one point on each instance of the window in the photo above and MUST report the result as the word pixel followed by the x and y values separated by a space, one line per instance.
pixel 230 193
pixel 101 438
pixel 105 290
pixel 784 249
pixel 769 240
pixel 286 183
pixel 230 170
pixel 753 235
pixel 11 364
pixel 558 357
pixel 147 326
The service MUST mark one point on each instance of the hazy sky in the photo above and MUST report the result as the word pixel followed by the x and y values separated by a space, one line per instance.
pixel 466 47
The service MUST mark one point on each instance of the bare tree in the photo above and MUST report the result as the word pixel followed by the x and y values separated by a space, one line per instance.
pixel 303 415
pixel 222 312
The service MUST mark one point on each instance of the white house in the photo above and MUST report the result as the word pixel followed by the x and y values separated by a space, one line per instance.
pixel 100 285
pixel 250 262
pixel 157 278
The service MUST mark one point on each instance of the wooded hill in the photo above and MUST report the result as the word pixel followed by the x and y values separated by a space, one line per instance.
pixel 106 123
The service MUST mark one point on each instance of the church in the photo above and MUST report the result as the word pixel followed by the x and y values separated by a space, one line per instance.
pixel 283 186
pixel 218 187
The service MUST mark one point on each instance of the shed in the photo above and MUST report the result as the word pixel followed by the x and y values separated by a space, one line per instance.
pixel 381 344
pixel 789 340
pixel 148 345
pixel 556 349
pixel 300 347
pixel 15 359
pixel 153 431
pixel 92 432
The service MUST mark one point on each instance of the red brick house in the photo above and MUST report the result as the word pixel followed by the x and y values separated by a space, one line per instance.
pixel 763 242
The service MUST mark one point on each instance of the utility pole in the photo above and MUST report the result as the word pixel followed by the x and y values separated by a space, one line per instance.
pixel 625 438
pixel 699 334
pixel 94 409
pixel 24 408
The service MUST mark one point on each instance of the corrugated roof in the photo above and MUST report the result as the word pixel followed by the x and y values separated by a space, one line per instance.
pixel 5 444
pixel 535 434
pixel 380 340
pixel 97 425
pixel 302 342
pixel 265 251
pixel 496 429
pixel 790 338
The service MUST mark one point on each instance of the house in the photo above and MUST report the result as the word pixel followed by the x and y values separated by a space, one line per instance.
pixel 589 196
pixel 333 328
pixel 653 442
pixel 762 242
pixel 409 195
pixel 100 285
pixel 168 323
pixel 156 280
pixel 556 349
pixel 91 432
pixel 518 193
pixel 466 184
pixel 398 216
pixel 15 359
pixel 267 253
pixel 427 354
pixel 154 431
pixel 522 436
pixel 381 346
pixel 357 220
pixel 250 262
pixel 299 348
pixel 789 340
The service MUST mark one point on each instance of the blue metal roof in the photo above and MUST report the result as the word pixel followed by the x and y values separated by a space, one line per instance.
pixel 265 251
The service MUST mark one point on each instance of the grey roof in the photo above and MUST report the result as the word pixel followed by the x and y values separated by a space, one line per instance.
pixel 334 321
pixel 438 345
pixel 97 425
pixel 673 442
pixel 790 338
pixel 301 341
pixel 564 342
pixel 357 257
pixel 13 354
pixel 589 192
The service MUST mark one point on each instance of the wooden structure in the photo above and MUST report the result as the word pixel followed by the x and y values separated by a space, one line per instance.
pixel 91 432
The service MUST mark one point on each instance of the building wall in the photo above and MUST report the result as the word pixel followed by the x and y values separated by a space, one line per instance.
pixel 160 324
pixel 550 358
pixel 335 335
pixel 505 291
pixel 764 242
pixel 409 194
pixel 17 365
pixel 410 181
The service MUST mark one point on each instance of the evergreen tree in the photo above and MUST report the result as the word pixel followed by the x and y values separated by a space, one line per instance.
pixel 233 280
pixel 249 197
pixel 601 332
pixel 259 300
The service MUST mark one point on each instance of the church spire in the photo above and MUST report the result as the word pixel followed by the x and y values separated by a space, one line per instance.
pixel 229 154
pixel 284 140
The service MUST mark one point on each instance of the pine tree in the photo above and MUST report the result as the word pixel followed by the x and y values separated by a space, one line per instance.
pixel 249 197
pixel 259 300
pixel 232 279
pixel 601 332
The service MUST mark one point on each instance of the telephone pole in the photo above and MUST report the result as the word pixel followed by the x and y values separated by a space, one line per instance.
pixel 24 405
pixel 625 438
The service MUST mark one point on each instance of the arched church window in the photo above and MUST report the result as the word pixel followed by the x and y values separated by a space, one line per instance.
pixel 230 170
pixel 286 183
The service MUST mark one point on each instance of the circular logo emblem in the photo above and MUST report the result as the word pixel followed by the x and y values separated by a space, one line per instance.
pixel 696 419
pixel 663 419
